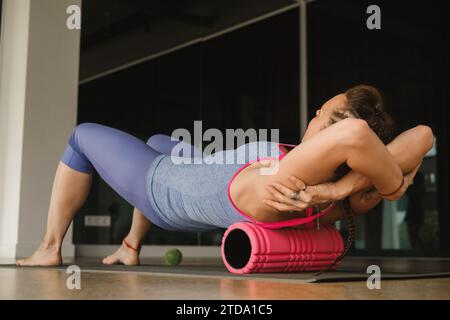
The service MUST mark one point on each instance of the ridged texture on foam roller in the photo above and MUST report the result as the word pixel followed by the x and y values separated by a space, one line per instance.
pixel 288 250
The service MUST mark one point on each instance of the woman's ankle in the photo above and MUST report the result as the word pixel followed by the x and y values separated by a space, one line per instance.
pixel 132 243
pixel 50 243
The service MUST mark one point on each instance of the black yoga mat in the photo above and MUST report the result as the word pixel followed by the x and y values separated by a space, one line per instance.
pixel 352 269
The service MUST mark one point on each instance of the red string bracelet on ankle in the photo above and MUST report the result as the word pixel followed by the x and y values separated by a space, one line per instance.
pixel 392 193
pixel 130 246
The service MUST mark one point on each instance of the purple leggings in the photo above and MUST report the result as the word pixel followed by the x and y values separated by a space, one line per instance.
pixel 121 159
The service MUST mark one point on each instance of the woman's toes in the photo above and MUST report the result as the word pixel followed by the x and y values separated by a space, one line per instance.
pixel 109 260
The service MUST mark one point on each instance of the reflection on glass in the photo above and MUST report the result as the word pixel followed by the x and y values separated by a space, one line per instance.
pixel 160 95
pixel 411 223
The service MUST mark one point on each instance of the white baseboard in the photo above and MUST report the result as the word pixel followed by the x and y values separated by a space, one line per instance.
pixel 150 251
pixel 7 250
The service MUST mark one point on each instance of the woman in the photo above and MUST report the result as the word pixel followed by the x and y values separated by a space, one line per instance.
pixel 351 130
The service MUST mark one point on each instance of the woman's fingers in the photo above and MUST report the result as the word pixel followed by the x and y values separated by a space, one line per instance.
pixel 280 206
pixel 319 193
pixel 303 200
pixel 288 192
pixel 281 198
pixel 307 196
pixel 283 194
pixel 297 182
pixel 303 196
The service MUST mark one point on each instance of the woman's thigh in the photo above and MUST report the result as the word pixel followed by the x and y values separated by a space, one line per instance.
pixel 121 159
pixel 165 144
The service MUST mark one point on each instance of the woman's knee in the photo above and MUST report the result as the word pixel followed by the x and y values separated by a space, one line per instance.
pixel 74 155
pixel 81 130
pixel 83 127
pixel 158 139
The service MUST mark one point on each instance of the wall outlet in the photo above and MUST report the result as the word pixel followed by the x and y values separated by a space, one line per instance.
pixel 97 221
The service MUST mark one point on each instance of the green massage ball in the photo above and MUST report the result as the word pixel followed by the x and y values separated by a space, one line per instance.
pixel 173 257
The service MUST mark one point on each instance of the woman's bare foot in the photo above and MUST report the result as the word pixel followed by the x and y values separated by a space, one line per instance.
pixel 46 255
pixel 124 255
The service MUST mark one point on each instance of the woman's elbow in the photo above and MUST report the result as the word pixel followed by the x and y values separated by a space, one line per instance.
pixel 426 136
pixel 355 132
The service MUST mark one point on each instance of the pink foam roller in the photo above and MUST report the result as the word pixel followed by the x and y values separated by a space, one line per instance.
pixel 249 248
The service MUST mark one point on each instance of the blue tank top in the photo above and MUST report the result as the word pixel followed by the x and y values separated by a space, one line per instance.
pixel 194 196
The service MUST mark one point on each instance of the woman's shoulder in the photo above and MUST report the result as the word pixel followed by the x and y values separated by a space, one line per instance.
pixel 260 149
pixel 262 144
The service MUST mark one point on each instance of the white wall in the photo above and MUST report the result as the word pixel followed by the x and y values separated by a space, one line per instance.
pixel 12 101
pixel 38 106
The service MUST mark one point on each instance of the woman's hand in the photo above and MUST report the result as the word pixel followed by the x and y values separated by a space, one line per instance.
pixel 409 178
pixel 308 196
pixel 300 198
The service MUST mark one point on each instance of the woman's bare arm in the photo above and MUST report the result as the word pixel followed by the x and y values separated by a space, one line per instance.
pixel 364 201
pixel 363 197
pixel 407 149
pixel 349 141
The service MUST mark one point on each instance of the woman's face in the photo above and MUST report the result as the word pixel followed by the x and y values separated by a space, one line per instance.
pixel 324 116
